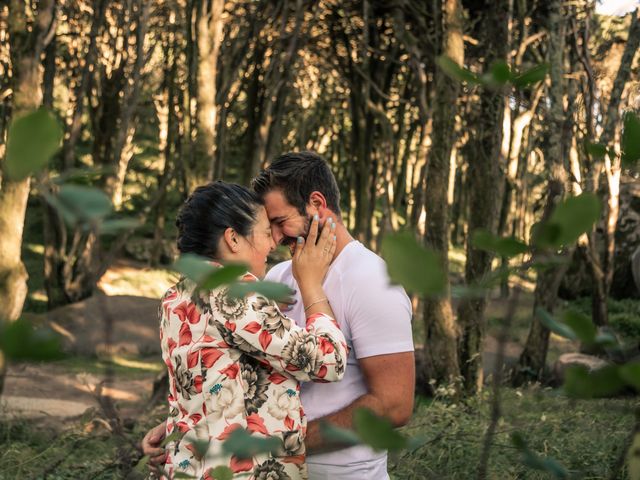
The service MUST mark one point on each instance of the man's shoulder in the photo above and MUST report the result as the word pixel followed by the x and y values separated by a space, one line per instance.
pixel 278 271
pixel 363 264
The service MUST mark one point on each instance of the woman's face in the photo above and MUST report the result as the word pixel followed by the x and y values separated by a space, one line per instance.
pixel 257 246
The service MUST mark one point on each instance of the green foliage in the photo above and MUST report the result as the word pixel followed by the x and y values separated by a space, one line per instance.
pixel 535 461
pixel 529 77
pixel 19 340
pixel 371 430
pixel 581 325
pixel 272 290
pixel 597 150
pixel 341 436
pixel 209 277
pixel 206 275
pixel 553 325
pixel 117 225
pixel 377 432
pixel 630 143
pixel 506 247
pixel 630 373
pixel 455 71
pixel 498 74
pixel 32 140
pixel 624 315
pixel 570 219
pixel 582 383
pixel 221 473
pixel 80 204
pixel 244 445
pixel 416 268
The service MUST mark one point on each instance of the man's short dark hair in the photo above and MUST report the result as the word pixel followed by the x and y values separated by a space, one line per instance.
pixel 298 174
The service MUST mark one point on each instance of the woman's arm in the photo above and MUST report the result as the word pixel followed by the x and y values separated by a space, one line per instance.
pixel 317 352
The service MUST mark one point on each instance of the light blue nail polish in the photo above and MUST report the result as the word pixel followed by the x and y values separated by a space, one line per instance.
pixel 315 217
pixel 299 239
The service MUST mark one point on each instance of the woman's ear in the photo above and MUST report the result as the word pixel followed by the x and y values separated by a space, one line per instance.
pixel 231 240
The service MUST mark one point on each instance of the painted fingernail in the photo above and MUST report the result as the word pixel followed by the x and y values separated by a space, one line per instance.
pixel 299 239
pixel 315 217
pixel 335 237
pixel 333 226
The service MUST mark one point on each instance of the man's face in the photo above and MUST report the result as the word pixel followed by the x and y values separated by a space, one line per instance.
pixel 286 222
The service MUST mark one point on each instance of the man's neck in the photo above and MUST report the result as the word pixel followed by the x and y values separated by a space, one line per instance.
pixel 343 238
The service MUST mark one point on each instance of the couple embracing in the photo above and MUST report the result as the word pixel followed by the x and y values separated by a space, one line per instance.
pixel 343 343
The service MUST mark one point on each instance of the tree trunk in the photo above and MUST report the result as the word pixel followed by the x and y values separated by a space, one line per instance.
pixel 612 168
pixel 486 183
pixel 441 362
pixel 74 121
pixel 532 360
pixel 209 37
pixel 26 49
pixel 276 86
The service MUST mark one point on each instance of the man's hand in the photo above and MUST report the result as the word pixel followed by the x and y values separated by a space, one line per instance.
pixel 151 446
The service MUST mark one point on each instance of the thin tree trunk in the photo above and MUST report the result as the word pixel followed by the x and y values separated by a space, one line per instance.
pixel 486 184
pixel 531 363
pixel 74 122
pixel 441 362
pixel 209 37
pixel 612 169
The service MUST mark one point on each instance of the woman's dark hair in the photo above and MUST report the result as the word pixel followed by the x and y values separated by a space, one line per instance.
pixel 209 211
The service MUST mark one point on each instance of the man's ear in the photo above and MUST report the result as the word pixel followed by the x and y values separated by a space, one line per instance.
pixel 231 239
pixel 318 202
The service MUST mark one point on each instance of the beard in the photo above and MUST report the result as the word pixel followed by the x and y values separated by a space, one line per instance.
pixel 290 242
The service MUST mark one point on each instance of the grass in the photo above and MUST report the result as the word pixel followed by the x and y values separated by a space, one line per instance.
pixel 79 449
pixel 586 437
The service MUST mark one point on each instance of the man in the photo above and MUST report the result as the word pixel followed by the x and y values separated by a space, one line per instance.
pixel 374 316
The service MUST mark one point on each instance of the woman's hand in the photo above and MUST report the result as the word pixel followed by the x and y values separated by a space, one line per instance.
pixel 312 257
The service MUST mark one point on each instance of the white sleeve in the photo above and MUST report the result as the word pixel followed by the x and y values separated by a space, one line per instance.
pixel 379 314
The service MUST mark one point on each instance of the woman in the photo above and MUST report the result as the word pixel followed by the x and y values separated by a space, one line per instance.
pixel 237 363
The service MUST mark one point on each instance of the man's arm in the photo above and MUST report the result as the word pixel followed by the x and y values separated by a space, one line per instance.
pixel 390 382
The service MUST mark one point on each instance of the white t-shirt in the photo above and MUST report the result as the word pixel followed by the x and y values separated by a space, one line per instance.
pixel 375 318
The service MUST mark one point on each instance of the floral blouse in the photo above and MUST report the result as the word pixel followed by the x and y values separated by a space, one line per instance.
pixel 237 363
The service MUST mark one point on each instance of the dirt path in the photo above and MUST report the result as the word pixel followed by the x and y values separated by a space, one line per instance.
pixel 65 389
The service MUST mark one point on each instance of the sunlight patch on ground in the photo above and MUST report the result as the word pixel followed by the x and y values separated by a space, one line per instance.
pixel 126 362
pixel 36 248
pixel 127 278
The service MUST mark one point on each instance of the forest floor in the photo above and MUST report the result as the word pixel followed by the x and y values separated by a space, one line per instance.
pixel 51 425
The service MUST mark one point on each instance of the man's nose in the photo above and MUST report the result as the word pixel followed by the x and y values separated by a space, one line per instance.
pixel 277 236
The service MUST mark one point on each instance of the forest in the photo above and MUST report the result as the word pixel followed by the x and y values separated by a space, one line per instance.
pixel 488 151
